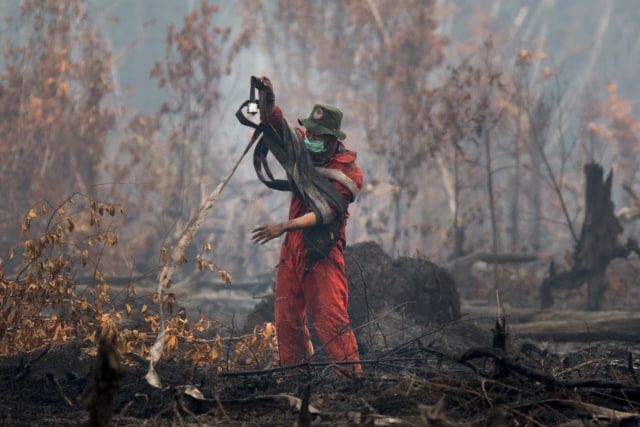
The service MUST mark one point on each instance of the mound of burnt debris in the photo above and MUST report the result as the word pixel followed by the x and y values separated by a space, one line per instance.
pixel 389 298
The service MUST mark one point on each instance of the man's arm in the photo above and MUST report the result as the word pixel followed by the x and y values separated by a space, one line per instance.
pixel 268 232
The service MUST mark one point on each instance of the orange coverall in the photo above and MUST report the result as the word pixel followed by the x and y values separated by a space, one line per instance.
pixel 321 287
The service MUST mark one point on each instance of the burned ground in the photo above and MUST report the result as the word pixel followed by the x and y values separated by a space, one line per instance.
pixel 531 386
pixel 421 369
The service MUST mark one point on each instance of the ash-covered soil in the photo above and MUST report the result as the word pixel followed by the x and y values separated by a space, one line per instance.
pixel 446 377
pixel 422 367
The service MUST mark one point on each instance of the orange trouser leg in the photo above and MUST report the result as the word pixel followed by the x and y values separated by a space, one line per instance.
pixel 290 317
pixel 326 293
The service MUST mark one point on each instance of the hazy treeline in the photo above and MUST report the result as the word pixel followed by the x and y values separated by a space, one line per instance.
pixel 472 122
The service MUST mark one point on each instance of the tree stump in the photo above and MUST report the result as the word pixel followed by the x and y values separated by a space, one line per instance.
pixel 597 245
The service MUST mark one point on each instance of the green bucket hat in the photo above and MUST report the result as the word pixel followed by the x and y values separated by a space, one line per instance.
pixel 325 119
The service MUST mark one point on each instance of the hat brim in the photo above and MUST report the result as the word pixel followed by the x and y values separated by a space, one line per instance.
pixel 317 129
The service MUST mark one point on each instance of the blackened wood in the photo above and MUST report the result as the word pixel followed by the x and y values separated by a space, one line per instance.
pixel 597 245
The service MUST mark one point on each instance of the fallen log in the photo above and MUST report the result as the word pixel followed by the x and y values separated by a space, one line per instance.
pixel 559 325
pixel 565 328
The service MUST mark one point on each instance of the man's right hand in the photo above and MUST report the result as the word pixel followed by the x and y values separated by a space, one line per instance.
pixel 267 232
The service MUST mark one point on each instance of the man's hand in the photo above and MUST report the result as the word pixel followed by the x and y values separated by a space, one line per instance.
pixel 265 83
pixel 267 232
pixel 264 233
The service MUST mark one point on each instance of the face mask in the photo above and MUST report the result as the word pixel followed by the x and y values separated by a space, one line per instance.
pixel 314 146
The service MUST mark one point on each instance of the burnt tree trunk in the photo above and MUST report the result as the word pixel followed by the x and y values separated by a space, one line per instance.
pixel 597 245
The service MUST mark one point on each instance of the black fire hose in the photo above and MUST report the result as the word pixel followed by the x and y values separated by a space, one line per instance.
pixel 303 179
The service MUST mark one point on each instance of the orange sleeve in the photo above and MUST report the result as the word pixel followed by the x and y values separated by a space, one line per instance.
pixel 355 173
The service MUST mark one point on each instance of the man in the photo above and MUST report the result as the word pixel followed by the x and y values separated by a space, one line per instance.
pixel 302 281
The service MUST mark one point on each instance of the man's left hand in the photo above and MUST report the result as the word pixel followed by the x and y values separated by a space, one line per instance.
pixel 267 232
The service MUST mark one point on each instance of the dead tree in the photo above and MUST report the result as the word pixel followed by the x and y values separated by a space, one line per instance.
pixel 597 245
